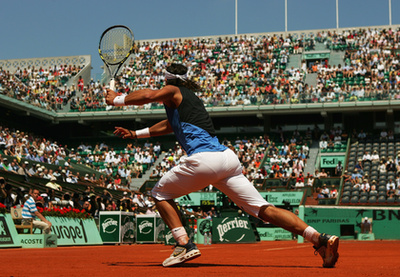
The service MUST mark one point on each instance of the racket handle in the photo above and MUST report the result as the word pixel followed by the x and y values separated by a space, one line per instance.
pixel 112 84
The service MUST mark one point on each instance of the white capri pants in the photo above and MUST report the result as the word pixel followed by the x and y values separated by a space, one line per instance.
pixel 221 169
pixel 38 224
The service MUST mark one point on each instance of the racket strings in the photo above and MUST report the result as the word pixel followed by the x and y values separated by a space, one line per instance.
pixel 115 45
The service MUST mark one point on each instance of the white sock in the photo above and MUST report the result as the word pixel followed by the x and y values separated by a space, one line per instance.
pixel 178 233
pixel 311 235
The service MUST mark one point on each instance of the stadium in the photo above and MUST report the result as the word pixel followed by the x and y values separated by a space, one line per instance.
pixel 313 115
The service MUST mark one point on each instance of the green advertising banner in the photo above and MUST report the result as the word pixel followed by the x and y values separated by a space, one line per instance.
pixel 203 226
pixel 38 240
pixel 276 198
pixel 199 199
pixel 74 231
pixel 331 161
pixel 117 227
pixel 270 234
pixel 8 233
pixel 316 56
pixel 149 228
pixel 109 226
pixel 145 229
pixel 127 233
pixel 347 221
pixel 232 230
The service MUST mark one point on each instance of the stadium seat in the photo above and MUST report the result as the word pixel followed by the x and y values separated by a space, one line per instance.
pixel 355 189
pixel 382 177
pixel 346 193
pixel 354 199
pixel 345 199
pixel 347 188
pixel 373 178
pixel 352 159
pixel 374 172
pixel 390 200
pixel 381 193
pixel 372 199
pixel 382 183
pixel 364 199
pixel 381 199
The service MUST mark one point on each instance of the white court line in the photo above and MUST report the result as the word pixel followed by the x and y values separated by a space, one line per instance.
pixel 267 249
pixel 285 248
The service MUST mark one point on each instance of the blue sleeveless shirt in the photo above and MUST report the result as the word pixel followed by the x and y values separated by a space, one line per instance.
pixel 192 125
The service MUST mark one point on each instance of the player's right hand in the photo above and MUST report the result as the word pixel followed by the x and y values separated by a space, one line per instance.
pixel 110 97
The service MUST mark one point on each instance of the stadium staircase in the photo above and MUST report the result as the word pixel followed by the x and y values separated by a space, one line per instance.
pixel 312 158
pixel 311 79
pixel 66 108
pixel 137 183
pixel 320 46
pixel 336 58
pixel 294 61
pixel 310 167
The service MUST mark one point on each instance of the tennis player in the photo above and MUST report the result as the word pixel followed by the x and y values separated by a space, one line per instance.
pixel 207 162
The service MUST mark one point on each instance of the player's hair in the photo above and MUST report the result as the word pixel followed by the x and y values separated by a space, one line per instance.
pixel 180 69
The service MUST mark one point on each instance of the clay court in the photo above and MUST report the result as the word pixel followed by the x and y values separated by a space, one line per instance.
pixel 276 258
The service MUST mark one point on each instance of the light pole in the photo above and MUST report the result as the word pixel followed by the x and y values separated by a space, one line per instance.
pixel 337 14
pixel 236 18
pixel 285 15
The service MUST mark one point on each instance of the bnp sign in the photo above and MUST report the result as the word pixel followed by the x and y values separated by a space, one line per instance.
pixel 232 230
pixel 331 161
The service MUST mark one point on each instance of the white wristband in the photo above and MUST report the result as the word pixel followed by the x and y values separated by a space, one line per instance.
pixel 143 133
pixel 119 100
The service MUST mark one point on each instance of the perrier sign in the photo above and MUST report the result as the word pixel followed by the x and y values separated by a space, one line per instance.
pixel 145 229
pixel 232 230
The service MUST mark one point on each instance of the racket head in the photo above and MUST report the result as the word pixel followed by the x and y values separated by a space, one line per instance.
pixel 116 44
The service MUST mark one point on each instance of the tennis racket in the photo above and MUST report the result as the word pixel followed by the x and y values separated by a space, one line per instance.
pixel 115 46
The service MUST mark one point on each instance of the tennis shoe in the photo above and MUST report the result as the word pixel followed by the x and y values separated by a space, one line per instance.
pixel 328 249
pixel 182 253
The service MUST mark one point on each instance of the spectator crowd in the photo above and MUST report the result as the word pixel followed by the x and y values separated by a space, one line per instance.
pixel 238 70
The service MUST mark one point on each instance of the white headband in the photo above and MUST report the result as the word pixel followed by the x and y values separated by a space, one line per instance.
pixel 169 76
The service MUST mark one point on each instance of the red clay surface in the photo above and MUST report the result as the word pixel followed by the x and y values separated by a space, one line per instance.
pixel 277 258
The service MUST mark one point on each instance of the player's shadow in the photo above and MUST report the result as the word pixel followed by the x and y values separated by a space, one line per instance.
pixel 196 265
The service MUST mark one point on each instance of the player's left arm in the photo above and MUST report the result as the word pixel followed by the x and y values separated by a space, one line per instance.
pixel 158 129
